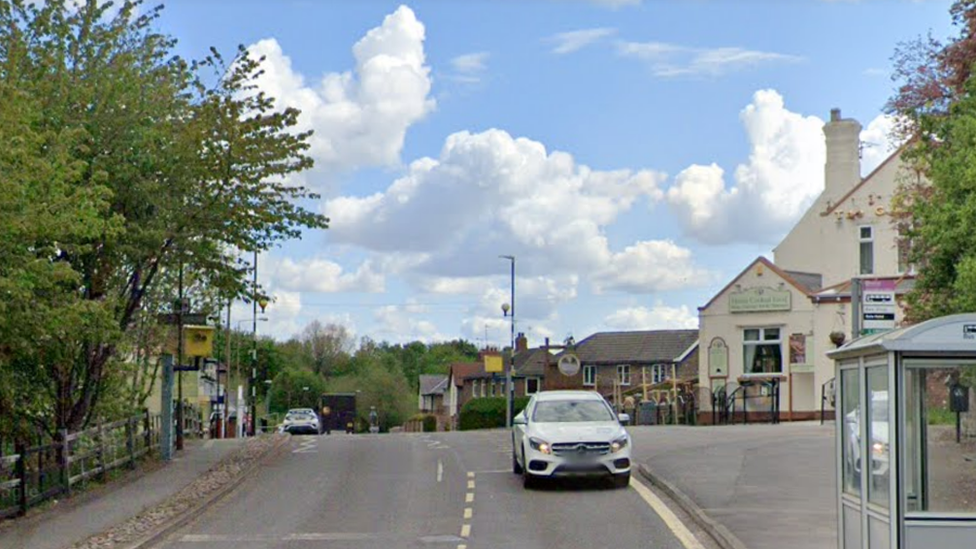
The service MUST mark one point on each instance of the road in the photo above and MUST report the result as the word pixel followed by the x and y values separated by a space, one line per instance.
pixel 443 490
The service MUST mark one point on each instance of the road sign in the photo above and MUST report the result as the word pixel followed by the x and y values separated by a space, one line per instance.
pixel 188 319
pixel 878 306
pixel 569 365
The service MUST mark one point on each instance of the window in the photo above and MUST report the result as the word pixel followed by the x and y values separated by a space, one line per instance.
pixel 493 387
pixel 850 389
pixel 571 411
pixel 762 351
pixel 623 374
pixel 589 375
pixel 877 423
pixel 659 373
pixel 531 385
pixel 866 240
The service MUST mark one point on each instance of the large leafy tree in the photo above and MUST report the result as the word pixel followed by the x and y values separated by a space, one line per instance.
pixel 935 207
pixel 174 165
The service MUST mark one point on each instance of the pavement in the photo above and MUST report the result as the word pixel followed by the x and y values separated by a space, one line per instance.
pixel 771 486
pixel 77 518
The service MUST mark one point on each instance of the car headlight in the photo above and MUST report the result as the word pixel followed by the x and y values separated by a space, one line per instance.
pixel 540 445
pixel 619 444
pixel 879 448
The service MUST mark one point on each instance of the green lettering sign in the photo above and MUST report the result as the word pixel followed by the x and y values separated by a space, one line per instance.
pixel 760 300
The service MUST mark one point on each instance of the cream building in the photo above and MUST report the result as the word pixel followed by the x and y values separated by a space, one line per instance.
pixel 768 330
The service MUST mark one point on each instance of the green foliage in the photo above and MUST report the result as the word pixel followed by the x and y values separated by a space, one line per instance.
pixel 377 385
pixel 288 390
pixel 121 162
pixel 430 423
pixel 487 413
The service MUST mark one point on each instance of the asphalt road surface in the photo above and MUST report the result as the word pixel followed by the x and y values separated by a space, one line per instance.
pixel 444 490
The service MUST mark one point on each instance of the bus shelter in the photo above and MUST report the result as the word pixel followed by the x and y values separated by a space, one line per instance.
pixel 906 439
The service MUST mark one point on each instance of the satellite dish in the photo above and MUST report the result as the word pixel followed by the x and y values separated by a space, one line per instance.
pixel 569 365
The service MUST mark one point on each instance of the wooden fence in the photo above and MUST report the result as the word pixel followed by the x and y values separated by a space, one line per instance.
pixel 32 475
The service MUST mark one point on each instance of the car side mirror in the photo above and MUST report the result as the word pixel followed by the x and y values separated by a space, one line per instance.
pixel 624 418
pixel 520 420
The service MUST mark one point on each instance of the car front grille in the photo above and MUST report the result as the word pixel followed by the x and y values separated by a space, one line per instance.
pixel 580 449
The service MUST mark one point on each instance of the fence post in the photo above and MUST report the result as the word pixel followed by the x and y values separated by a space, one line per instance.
pixel 21 449
pixel 64 461
pixel 147 429
pixel 130 440
pixel 100 434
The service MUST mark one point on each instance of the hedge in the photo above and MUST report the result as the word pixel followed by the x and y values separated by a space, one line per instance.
pixel 430 423
pixel 487 413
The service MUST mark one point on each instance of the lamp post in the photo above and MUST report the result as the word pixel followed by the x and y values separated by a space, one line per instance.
pixel 506 309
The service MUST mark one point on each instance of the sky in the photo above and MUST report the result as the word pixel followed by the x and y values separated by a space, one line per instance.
pixel 633 156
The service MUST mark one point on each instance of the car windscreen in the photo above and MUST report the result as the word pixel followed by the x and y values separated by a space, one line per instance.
pixel 571 411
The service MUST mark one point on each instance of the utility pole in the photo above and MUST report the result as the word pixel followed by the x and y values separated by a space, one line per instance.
pixel 856 308
pixel 511 363
pixel 181 306
pixel 254 347
pixel 226 403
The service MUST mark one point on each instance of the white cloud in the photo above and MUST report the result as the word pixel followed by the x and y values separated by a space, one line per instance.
pixel 470 66
pixel 568 42
pixel 319 275
pixel 657 318
pixel 877 142
pixel 670 60
pixel 783 175
pixel 490 193
pixel 360 117
pixel 647 266
pixel 399 323
pixel 875 72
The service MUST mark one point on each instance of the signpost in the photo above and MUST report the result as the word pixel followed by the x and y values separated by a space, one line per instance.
pixel 878 306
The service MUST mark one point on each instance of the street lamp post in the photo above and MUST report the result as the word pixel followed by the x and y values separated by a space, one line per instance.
pixel 509 310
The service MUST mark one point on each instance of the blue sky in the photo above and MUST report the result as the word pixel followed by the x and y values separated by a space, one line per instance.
pixel 632 155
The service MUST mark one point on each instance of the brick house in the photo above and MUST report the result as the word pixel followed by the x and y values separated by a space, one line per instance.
pixel 431 397
pixel 622 363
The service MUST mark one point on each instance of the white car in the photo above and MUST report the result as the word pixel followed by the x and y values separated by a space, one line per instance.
pixel 570 434
pixel 301 421
pixel 879 430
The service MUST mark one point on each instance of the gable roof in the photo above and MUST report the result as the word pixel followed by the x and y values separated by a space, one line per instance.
pixel 786 276
pixel 866 180
pixel 531 362
pixel 433 384
pixel 640 346
pixel 461 370
pixel 811 281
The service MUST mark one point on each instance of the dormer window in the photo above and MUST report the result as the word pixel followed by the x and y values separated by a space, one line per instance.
pixel 866 249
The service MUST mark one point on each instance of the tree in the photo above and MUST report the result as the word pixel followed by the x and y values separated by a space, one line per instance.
pixel 293 388
pixel 326 347
pixel 935 206
pixel 172 164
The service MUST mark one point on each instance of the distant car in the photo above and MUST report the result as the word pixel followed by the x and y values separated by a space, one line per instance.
pixel 879 429
pixel 301 421
pixel 570 434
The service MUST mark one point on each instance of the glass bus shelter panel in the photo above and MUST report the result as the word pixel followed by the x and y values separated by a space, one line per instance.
pixel 940 472
pixel 850 388
pixel 879 477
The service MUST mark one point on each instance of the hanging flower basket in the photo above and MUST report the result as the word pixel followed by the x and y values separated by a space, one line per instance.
pixel 837 338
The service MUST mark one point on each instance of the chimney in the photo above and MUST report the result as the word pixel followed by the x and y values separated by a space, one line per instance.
pixel 843 169
pixel 521 343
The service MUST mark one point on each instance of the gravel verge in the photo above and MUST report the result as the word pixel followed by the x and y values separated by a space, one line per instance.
pixel 153 523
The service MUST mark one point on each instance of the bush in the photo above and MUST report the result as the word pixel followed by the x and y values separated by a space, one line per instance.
pixel 487 413
pixel 430 423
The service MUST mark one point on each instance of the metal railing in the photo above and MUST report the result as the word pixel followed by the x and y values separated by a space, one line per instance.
pixel 32 475
pixel 725 404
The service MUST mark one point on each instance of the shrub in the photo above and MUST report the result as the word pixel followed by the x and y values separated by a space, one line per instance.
pixel 430 423
pixel 487 413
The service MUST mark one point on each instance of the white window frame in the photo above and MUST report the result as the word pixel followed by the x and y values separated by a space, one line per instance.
pixel 861 240
pixel 492 392
pixel 762 341
pixel 659 373
pixel 538 385
pixel 623 374
pixel 589 375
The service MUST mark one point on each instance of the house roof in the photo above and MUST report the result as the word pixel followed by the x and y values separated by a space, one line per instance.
pixel 785 275
pixel 461 370
pixel 811 281
pixel 640 346
pixel 842 291
pixel 433 384
pixel 866 180
pixel 531 362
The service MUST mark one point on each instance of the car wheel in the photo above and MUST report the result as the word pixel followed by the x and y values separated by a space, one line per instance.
pixel 516 468
pixel 529 481
pixel 622 480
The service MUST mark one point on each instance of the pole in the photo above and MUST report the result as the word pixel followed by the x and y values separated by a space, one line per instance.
pixel 674 391
pixel 855 308
pixel 511 366
pixel 226 403
pixel 166 434
pixel 254 347
pixel 179 363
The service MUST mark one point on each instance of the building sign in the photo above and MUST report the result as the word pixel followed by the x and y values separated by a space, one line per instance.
pixel 494 363
pixel 718 358
pixel 878 306
pixel 800 362
pixel 756 300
